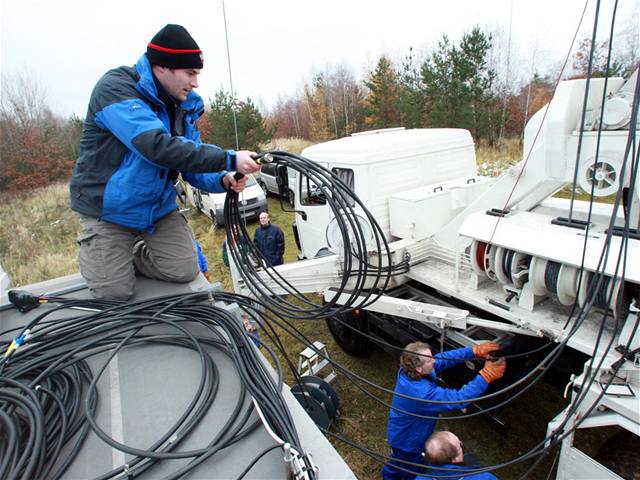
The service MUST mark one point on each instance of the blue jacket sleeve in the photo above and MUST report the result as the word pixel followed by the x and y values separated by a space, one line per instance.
pixel 451 358
pixel 473 389
pixel 209 182
pixel 138 127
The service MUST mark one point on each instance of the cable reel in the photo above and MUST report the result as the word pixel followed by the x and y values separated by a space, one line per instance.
pixel 567 284
pixel 520 265
pixel 483 259
pixel 537 276
pixel 318 398
pixel 477 254
pixel 513 268
pixel 502 270
pixel 550 277
pixel 612 295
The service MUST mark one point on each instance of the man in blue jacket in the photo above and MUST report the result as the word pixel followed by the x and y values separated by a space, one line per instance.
pixel 445 456
pixel 139 134
pixel 269 240
pixel 413 414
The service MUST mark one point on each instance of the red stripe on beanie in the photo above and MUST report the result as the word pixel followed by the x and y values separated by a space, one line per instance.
pixel 173 50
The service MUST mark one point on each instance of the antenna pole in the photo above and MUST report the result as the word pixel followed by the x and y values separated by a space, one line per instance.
pixel 233 95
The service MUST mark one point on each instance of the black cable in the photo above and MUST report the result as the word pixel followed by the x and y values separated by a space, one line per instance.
pixel 55 348
pixel 256 459
pixel 357 270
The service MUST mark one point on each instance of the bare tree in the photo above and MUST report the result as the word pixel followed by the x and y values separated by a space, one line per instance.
pixel 22 99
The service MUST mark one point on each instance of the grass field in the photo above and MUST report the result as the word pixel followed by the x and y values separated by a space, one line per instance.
pixel 37 241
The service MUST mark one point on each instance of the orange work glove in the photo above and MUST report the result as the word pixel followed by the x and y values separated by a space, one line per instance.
pixel 482 350
pixel 493 370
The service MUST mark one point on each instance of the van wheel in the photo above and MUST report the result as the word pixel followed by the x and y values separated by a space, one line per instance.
pixel 218 221
pixel 197 197
pixel 620 455
pixel 290 198
pixel 349 339
pixel 263 187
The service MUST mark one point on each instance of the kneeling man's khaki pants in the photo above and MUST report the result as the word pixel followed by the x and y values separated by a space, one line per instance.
pixel 111 255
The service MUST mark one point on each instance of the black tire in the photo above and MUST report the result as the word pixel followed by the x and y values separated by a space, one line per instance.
pixel 348 339
pixel 197 198
pixel 290 197
pixel 215 219
pixel 620 455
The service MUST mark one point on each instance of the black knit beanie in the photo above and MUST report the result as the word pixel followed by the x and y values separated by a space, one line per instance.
pixel 173 47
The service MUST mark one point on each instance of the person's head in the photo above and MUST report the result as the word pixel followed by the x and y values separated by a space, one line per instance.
pixel 416 360
pixel 442 448
pixel 246 323
pixel 176 60
pixel 264 219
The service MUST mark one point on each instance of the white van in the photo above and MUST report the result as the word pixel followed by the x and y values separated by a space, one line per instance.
pixel 379 166
pixel 252 201
pixel 268 180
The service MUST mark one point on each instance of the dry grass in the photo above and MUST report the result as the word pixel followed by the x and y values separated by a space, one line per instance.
pixel 37 235
pixel 492 161
pixel 293 145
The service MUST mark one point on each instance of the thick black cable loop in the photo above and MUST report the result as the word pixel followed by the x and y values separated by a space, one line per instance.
pixel 52 368
pixel 364 279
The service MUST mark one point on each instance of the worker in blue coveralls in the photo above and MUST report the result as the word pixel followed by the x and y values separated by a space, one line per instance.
pixel 406 430
pixel 139 135
pixel 444 455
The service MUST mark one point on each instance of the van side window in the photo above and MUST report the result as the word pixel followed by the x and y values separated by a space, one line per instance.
pixel 269 169
pixel 346 175
pixel 310 193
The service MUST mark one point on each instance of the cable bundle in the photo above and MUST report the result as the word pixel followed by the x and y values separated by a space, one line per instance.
pixel 365 260
pixel 49 396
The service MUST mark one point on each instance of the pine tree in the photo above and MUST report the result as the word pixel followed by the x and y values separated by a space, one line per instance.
pixel 458 86
pixel 478 80
pixel 382 103
pixel 412 101
pixel 437 78
pixel 252 130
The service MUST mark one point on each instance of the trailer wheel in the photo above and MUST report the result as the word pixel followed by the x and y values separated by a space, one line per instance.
pixel 620 455
pixel 347 338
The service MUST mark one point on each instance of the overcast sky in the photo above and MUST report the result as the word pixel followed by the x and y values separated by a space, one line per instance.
pixel 275 46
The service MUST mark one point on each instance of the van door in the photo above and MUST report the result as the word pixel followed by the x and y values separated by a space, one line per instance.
pixel 268 177
pixel 312 217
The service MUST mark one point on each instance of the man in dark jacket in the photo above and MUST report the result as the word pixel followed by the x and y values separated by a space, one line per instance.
pixel 413 414
pixel 139 134
pixel 445 457
pixel 269 240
